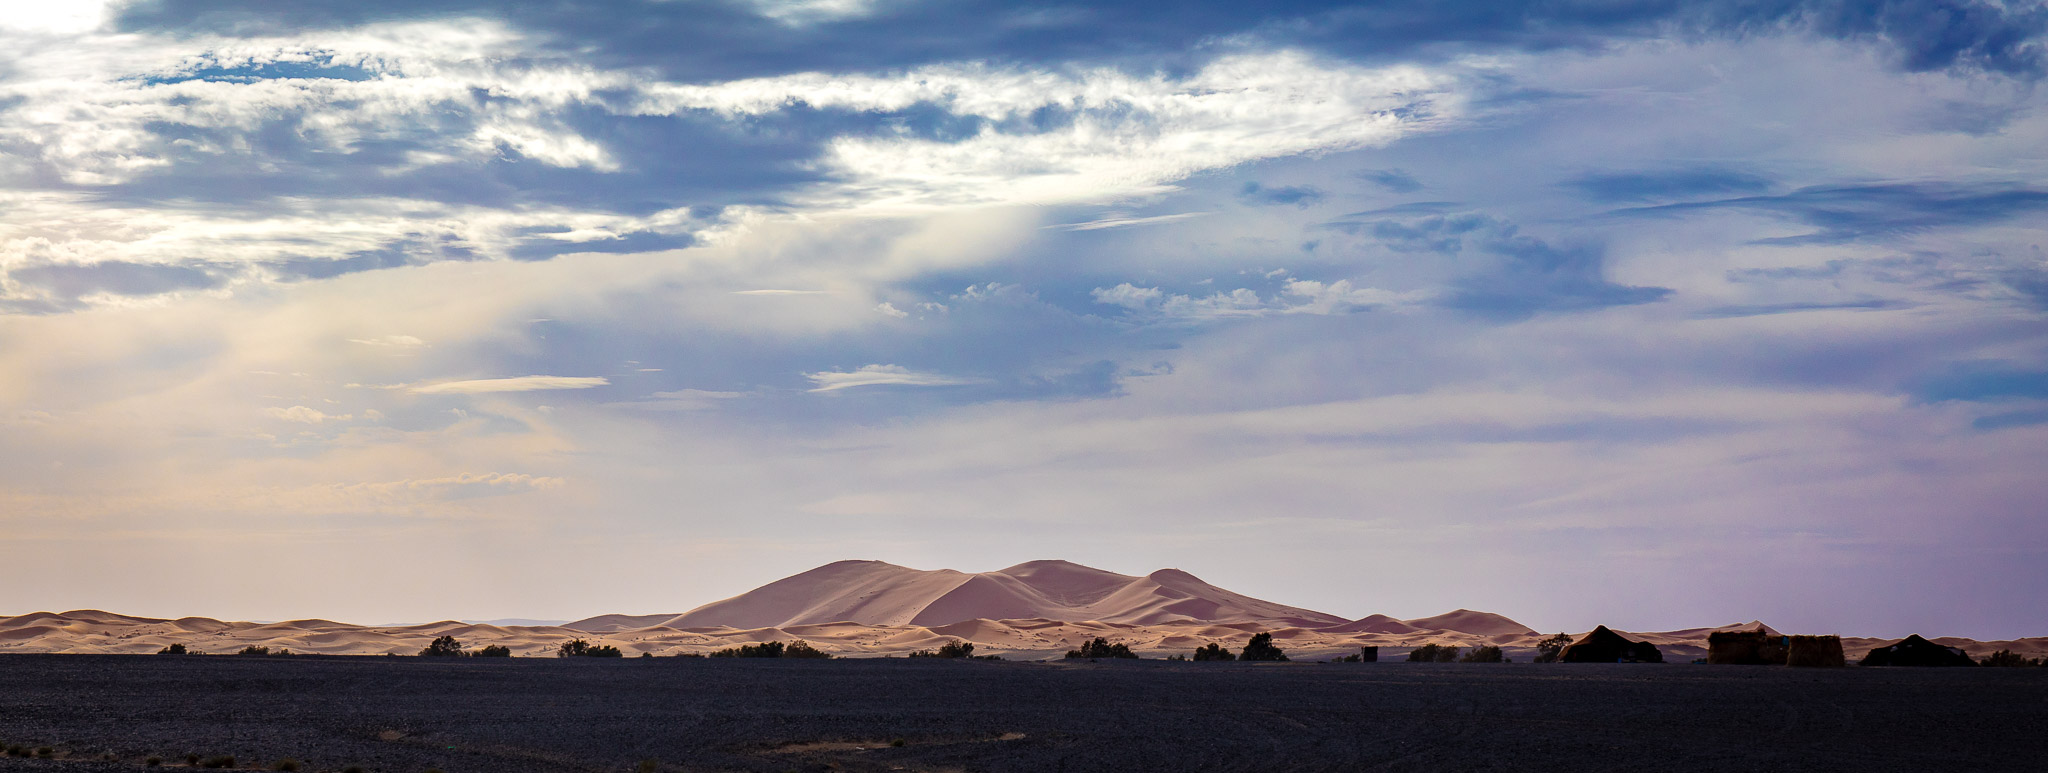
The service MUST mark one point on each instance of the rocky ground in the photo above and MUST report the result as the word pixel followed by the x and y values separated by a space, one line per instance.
pixel 409 715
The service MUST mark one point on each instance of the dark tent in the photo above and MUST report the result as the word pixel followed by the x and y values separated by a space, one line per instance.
pixel 1915 651
pixel 1605 646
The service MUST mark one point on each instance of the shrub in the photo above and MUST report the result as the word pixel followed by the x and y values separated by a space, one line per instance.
pixel 45 751
pixel 689 654
pixel 957 649
pixel 604 651
pixel 1101 648
pixel 492 651
pixel 2010 659
pixel 222 761
pixel 898 743
pixel 1433 653
pixel 175 649
pixel 254 650
pixel 444 647
pixel 192 760
pixel 1547 650
pixel 803 649
pixel 1177 658
pixel 288 765
pixel 647 766
pixel 1213 652
pixel 17 751
pixel 1482 654
pixel 1261 648
pixel 353 769
pixel 152 761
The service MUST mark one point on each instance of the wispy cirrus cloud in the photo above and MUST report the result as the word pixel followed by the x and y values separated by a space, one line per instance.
pixel 882 375
pixel 516 384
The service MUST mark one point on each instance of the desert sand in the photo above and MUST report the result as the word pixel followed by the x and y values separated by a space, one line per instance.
pixel 1032 611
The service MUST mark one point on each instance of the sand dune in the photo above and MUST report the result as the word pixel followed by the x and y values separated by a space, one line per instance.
pixel 1038 609
pixel 88 631
pixel 878 593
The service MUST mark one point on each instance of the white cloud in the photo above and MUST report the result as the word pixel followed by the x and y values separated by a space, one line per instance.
pixel 890 310
pixel 518 384
pixel 683 400
pixel 1123 222
pixel 304 415
pixel 882 375
pixel 1298 296
pixel 404 342
pixel 1129 134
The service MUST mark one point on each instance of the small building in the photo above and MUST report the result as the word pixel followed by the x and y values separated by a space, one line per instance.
pixel 1761 647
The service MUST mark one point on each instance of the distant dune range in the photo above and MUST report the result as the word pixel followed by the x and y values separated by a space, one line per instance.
pixel 1038 609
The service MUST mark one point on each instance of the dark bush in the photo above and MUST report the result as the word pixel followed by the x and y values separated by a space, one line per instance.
pixel 803 649
pixel 766 649
pixel 1101 648
pixel 1433 653
pixel 492 651
pixel 957 649
pixel 254 650
pixel 2010 659
pixel 1213 652
pixel 192 760
pixel 573 648
pixel 647 766
pixel 1482 654
pixel 45 751
pixel 223 761
pixel 353 769
pixel 1547 650
pixel 175 649
pixel 444 647
pixel 603 651
pixel 287 765
pixel 1261 648
pixel 152 761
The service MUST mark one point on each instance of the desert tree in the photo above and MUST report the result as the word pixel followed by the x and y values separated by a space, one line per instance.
pixel 444 647
pixel 1261 648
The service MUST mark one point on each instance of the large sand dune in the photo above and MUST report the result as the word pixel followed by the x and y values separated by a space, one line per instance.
pixel 1038 609
pixel 877 593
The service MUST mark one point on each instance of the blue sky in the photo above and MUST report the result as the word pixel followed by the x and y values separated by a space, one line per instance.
pixel 1652 315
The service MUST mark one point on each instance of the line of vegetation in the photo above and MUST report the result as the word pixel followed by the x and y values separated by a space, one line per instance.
pixel 963 650
pixel 2010 659
pixel 578 648
pixel 1102 648
pixel 773 649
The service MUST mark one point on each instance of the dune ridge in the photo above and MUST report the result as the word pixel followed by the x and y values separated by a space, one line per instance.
pixel 95 632
pixel 1034 610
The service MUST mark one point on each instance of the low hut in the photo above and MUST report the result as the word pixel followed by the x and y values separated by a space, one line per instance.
pixel 1760 647
pixel 1814 652
pixel 1605 646
pixel 1915 651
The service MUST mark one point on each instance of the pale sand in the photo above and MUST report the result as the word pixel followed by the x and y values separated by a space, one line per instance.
pixel 1035 610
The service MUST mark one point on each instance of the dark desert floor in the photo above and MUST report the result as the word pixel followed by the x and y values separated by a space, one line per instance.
pixel 406 715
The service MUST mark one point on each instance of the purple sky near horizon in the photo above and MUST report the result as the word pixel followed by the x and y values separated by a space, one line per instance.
pixel 1655 315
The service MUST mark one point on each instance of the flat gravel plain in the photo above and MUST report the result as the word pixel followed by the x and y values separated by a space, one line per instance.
pixel 409 714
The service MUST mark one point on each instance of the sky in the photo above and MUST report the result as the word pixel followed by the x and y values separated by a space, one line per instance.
pixel 1649 314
